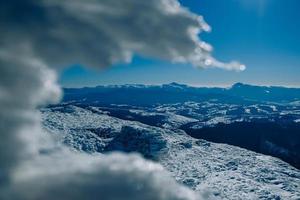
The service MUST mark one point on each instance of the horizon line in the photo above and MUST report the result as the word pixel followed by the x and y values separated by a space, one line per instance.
pixel 225 86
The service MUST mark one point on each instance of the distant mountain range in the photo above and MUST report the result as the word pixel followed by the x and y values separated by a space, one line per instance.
pixel 178 93
pixel 258 118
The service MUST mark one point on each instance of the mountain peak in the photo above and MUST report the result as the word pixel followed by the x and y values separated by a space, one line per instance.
pixel 175 85
pixel 239 85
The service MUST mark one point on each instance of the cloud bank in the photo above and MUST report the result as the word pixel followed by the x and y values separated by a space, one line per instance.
pixel 99 33
pixel 109 177
pixel 36 36
pixel 25 83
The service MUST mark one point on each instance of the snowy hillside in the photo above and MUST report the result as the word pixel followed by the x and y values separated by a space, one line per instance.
pixel 229 172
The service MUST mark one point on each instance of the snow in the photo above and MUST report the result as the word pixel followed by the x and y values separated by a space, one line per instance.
pixel 226 171
pixel 274 108
pixel 175 121
pixel 248 111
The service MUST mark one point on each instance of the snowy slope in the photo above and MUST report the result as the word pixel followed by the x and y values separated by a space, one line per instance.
pixel 230 172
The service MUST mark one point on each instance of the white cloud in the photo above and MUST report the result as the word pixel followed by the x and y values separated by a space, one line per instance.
pixel 21 90
pixel 97 33
pixel 100 33
pixel 109 177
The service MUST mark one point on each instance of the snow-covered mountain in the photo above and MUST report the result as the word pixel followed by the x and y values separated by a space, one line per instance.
pixel 265 127
pixel 229 172
pixel 174 93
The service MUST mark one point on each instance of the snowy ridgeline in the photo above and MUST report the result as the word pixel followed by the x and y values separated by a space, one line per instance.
pixel 228 172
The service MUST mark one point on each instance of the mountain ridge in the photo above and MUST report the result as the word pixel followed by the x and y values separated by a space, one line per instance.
pixel 175 92
pixel 237 84
pixel 226 171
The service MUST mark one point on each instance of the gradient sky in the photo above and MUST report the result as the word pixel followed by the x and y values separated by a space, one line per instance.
pixel 262 34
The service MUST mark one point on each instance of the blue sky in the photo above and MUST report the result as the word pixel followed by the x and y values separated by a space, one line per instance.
pixel 262 34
